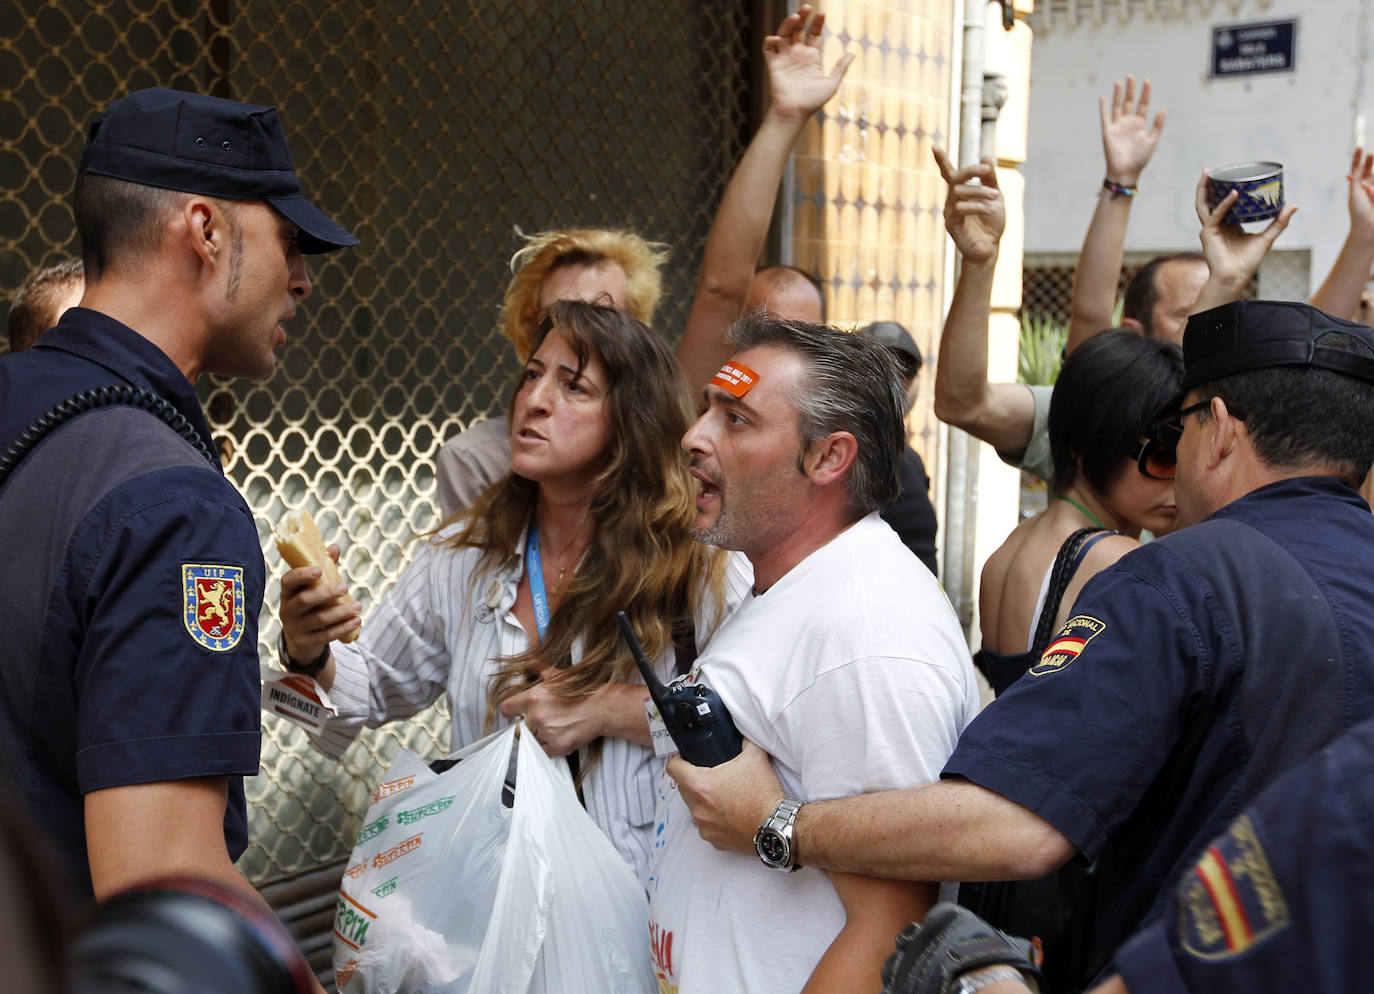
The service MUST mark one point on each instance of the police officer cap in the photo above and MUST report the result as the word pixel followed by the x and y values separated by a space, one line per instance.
pixel 220 148
pixel 1260 334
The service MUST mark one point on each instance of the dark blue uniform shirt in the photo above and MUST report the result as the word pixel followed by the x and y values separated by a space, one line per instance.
pixel 1281 901
pixel 131 593
pixel 1190 676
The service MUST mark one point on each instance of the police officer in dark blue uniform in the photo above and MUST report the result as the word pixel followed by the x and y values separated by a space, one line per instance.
pixel 1279 902
pixel 1282 900
pixel 1191 674
pixel 129 690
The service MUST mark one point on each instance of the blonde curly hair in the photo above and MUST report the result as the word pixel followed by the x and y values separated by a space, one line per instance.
pixel 544 251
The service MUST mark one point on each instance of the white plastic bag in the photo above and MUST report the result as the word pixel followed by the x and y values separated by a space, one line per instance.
pixel 449 892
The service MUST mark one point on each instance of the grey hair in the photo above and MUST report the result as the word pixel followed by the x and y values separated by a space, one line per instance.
pixel 850 384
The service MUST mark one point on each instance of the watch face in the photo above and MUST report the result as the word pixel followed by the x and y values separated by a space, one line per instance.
pixel 772 848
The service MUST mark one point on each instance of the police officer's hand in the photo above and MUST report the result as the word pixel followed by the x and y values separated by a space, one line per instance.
pixel 313 616
pixel 730 801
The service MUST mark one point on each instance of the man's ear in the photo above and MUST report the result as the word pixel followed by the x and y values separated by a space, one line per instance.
pixel 1134 325
pixel 828 459
pixel 1226 435
pixel 204 229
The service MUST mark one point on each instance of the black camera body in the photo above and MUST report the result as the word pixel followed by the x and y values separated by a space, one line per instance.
pixel 695 716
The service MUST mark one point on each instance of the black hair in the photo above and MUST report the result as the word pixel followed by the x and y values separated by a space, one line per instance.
pixel 1297 416
pixel 1142 292
pixel 1109 390
pixel 114 217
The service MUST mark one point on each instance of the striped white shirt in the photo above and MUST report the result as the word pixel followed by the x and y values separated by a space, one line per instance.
pixel 440 630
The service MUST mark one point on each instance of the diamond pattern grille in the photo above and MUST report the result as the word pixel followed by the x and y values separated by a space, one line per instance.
pixel 431 128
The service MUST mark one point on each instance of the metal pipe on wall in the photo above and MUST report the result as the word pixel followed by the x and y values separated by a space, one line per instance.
pixel 961 494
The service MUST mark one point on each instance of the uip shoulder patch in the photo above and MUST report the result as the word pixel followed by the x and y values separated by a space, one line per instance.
pixel 212 604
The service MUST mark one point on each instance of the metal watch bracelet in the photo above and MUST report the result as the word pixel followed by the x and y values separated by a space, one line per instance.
pixel 782 822
pixel 986 977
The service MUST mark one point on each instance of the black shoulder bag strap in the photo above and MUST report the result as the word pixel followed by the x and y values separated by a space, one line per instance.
pixel 1066 564
pixel 1059 909
pixel 90 400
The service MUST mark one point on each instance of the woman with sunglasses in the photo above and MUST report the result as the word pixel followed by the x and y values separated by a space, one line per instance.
pixel 1108 392
pixel 510 608
pixel 1101 428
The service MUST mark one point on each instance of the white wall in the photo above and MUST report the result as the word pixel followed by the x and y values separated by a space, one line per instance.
pixel 1307 119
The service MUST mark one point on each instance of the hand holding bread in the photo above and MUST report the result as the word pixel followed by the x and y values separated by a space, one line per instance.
pixel 315 607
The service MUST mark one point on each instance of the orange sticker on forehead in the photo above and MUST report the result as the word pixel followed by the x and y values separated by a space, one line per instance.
pixel 735 379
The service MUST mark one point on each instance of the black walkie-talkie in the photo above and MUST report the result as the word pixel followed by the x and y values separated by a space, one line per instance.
pixel 694 714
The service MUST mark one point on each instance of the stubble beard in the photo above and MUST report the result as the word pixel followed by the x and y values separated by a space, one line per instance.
pixel 716 533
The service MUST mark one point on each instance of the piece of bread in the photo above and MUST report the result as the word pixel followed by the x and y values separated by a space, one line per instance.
pixel 300 544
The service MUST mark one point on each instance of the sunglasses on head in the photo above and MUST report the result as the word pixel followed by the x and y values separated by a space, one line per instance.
pixel 1157 457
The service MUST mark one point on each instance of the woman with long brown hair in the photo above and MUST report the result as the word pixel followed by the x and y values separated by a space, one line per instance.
pixel 510 607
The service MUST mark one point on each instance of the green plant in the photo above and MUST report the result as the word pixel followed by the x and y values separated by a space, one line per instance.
pixel 1042 348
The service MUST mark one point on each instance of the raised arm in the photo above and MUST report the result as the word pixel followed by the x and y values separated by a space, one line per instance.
pixel 798 87
pixel 1128 141
pixel 1000 414
pixel 1233 254
pixel 1340 291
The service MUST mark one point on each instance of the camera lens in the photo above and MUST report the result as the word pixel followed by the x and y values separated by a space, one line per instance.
pixel 175 941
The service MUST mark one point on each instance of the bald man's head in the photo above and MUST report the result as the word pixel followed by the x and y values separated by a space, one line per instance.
pixel 791 293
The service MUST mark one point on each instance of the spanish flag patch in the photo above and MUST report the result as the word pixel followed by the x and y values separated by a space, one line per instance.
pixel 1230 900
pixel 1077 632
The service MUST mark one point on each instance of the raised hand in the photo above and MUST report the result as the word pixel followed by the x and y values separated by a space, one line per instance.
pixel 975 213
pixel 1233 255
pixel 1361 202
pixel 798 85
pixel 1128 139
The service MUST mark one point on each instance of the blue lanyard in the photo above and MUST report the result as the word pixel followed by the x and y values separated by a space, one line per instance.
pixel 535 571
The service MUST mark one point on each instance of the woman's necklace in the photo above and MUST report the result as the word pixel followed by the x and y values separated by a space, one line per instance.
pixel 563 570
pixel 1068 500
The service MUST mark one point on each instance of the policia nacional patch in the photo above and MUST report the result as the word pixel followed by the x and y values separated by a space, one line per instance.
pixel 1072 639
pixel 212 605
pixel 1230 900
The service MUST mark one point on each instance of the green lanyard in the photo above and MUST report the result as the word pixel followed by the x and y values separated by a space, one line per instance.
pixel 1091 517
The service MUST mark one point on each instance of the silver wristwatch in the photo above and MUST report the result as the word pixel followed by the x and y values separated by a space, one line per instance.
pixel 773 840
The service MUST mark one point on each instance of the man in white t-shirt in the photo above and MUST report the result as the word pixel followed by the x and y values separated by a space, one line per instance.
pixel 846 665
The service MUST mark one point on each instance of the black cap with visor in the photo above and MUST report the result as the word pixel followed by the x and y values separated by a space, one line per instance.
pixel 207 145
pixel 1242 336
